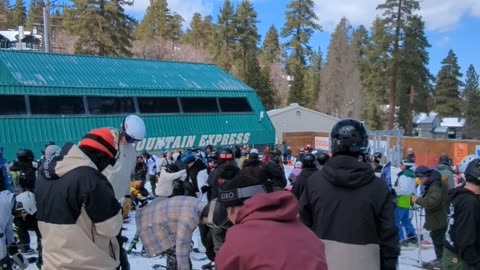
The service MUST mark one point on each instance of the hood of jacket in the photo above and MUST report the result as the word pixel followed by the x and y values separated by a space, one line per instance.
pixel 60 163
pixel 278 206
pixel 453 193
pixel 347 171
pixel 435 178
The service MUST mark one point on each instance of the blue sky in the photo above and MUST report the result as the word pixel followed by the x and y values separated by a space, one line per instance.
pixel 451 24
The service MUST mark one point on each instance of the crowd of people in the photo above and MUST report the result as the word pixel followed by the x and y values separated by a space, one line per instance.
pixel 333 210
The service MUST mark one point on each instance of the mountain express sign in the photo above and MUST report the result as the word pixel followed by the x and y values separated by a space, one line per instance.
pixel 183 142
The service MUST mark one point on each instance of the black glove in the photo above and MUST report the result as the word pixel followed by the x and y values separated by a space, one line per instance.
pixel 12 249
pixel 205 189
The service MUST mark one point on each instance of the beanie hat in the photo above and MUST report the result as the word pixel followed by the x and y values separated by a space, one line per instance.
pixel 51 149
pixel 298 164
pixel 101 139
pixel 422 171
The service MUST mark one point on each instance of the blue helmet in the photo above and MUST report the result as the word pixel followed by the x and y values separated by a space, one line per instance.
pixel 188 157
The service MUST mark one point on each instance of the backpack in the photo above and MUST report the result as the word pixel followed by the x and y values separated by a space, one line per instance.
pixel 23 180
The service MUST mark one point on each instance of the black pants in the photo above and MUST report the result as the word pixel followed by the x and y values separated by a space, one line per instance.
pixel 207 241
pixel 171 255
pixel 438 236
pixel 29 223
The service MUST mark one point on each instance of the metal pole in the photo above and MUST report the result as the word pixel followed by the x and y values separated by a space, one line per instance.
pixel 46 28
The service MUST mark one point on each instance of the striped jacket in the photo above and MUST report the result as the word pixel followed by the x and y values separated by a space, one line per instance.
pixel 169 222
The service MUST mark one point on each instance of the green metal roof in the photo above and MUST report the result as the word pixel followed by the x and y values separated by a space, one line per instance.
pixel 61 70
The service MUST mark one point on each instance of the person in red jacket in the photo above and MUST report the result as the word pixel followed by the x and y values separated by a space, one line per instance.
pixel 266 233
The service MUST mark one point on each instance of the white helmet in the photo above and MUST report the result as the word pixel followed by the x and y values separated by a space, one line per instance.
pixel 26 201
pixel 464 163
pixel 134 127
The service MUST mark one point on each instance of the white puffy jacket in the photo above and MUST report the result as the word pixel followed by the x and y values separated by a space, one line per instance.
pixel 165 182
pixel 6 221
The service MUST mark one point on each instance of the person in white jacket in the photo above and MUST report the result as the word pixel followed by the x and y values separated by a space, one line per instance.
pixel 133 130
pixel 168 174
pixel 7 202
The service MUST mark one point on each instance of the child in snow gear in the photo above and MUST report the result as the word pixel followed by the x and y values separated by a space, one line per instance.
pixel 462 240
pixel 435 202
pixel 265 225
pixel 404 188
pixel 78 214
pixel 348 207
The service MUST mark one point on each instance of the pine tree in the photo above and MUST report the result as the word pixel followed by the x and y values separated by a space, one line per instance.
pixel 195 33
pixel 224 39
pixel 471 96
pixel 334 99
pixel 415 78
pixel 247 37
pixel 155 22
pixel 312 83
pixel 447 90
pixel 396 15
pixel 374 75
pixel 174 28
pixel 102 27
pixel 270 52
pixel 35 15
pixel 18 15
pixel 4 15
pixel 209 31
pixel 298 29
pixel 266 89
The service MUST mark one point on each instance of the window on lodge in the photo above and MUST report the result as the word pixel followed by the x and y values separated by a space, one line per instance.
pixel 12 105
pixel 110 105
pixel 234 104
pixel 63 105
pixel 199 105
pixel 158 105
pixel 74 105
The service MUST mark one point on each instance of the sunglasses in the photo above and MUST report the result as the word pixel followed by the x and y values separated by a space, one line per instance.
pixel 130 139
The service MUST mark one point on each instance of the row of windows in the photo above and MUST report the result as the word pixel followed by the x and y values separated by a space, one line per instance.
pixel 65 105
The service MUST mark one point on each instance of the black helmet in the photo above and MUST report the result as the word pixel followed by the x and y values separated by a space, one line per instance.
pixel 253 155
pixel 309 161
pixel 212 155
pixel 226 154
pixel 25 155
pixel 472 173
pixel 349 137
pixel 444 159
pixel 322 157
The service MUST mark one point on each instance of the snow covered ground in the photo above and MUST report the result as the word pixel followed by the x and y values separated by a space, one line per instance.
pixel 408 258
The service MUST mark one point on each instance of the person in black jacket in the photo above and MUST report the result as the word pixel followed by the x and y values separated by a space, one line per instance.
pixel 349 208
pixel 308 168
pixel 275 166
pixel 462 240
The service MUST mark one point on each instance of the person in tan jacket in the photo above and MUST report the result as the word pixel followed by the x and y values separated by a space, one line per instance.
pixel 78 214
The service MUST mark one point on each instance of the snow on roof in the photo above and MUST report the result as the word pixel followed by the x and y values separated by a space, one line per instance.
pixel 453 122
pixel 440 130
pixel 425 118
pixel 11 35
pixel 293 106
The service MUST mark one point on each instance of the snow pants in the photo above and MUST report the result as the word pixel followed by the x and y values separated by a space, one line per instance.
pixel 404 221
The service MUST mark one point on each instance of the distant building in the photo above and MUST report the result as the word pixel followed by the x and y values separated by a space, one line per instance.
pixel 454 127
pixel 20 40
pixel 295 118
pixel 432 126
